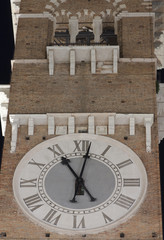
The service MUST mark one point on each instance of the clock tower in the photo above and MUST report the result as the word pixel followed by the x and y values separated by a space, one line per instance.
pixel 80 157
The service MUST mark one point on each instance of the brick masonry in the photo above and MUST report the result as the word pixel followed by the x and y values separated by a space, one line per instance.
pixel 132 90
pixel 134 84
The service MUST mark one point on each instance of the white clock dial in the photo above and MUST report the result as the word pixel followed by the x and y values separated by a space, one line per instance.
pixel 80 183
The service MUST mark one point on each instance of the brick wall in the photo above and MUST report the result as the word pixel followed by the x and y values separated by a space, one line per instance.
pixel 131 90
pixel 136 37
pixel 141 226
pixel 33 35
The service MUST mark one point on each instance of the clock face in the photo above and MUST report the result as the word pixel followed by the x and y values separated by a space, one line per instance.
pixel 80 183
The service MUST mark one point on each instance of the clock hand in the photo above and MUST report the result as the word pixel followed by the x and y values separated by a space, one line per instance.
pixel 76 190
pixel 65 161
pixel 79 180
pixel 85 159
pixel 81 173
pixel 91 197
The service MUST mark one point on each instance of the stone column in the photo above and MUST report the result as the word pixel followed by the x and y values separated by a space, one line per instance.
pixel 148 121
pixel 14 133
pixel 97 28
pixel 73 29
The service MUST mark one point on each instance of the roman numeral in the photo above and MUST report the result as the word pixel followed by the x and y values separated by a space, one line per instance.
pixel 106 218
pixel 39 165
pixel 52 217
pixel 28 183
pixel 106 150
pixel 57 151
pixel 81 223
pixel 32 202
pixel 124 163
pixel 131 182
pixel 125 201
pixel 81 145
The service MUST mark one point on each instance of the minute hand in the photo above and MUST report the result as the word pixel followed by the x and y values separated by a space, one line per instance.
pixel 85 159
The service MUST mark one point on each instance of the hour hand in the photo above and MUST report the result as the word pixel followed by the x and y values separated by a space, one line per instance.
pixel 66 161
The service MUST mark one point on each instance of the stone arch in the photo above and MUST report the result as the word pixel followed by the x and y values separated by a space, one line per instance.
pixel 86 11
pixel 106 9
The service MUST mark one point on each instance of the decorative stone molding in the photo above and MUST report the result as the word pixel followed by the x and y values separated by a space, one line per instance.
pixel 28 61
pixel 51 124
pixel 67 123
pixel 108 11
pixel 132 126
pixel 93 61
pixel 34 61
pixel 51 62
pixel 85 12
pixel 91 124
pixel 63 12
pixel 30 126
pixel 147 4
pixel 72 62
pixel 102 14
pixel 97 28
pixel 111 124
pixel 57 14
pixel 68 14
pixel 37 15
pixel 73 28
pixel 4 101
pixel 148 121
pixel 56 3
pixel 71 125
pixel 78 14
pixel 50 7
pixel 14 132
pixel 115 60
pixel 15 8
pixel 103 59
pixel 135 14
pixel 142 60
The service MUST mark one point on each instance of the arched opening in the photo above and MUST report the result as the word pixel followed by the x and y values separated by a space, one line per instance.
pixel 85 36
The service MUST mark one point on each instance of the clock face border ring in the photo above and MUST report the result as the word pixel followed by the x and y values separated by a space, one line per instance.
pixel 90 137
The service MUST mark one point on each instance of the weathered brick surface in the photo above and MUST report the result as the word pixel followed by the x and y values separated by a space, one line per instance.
pixel 132 90
pixel 136 43
pixel 33 36
pixel 32 6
